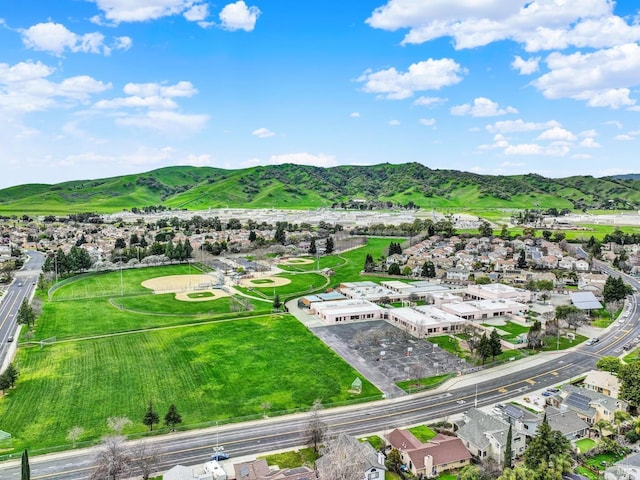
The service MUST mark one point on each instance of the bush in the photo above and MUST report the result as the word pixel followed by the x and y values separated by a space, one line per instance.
pixel 632 436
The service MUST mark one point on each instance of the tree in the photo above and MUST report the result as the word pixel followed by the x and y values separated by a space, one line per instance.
pixel 316 428
pixel 494 343
pixel 545 444
pixel 485 229
pixel 504 232
pixel 26 468
pixel 393 460
pixel 12 374
pixel 508 449
pixel 172 418
pixel 4 382
pixel 619 418
pixel 74 434
pixel 343 458
pixel 535 335
pixel 312 247
pixel 609 364
pixel 328 246
pixel 482 280
pixel 394 269
pixel 629 376
pixel 113 460
pixel 484 348
pixel 369 264
pixel 145 458
pixel 26 316
pixel 252 236
pixel 277 304
pixel 615 289
pixel 603 424
pixel 280 236
pixel 470 472
pixel 117 424
pixel 522 260
pixel 428 269
pixel 151 417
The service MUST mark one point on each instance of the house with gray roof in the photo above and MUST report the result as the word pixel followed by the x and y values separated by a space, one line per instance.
pixel 362 458
pixel 562 419
pixel 590 406
pixel 625 469
pixel 485 435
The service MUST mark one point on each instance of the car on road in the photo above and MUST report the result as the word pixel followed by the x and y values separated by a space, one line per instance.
pixel 592 341
pixel 10 339
pixel 460 402
pixel 220 456
pixel 553 390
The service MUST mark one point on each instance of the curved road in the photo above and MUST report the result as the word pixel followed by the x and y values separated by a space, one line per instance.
pixel 250 438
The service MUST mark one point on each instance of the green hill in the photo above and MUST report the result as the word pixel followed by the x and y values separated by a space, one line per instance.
pixel 301 186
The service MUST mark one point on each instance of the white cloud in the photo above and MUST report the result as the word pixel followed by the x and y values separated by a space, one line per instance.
pixel 135 101
pixel 197 12
pixel 602 78
pixel 519 125
pixel 117 11
pixel 237 16
pixel 167 122
pixel 615 123
pixel 624 137
pixel 524 149
pixel 426 75
pixel 525 67
pixel 538 24
pixel 24 87
pixel 302 158
pixel 355 115
pixel 482 107
pixel 394 122
pixel 55 38
pixel 429 101
pixel 557 133
pixel 589 133
pixel 263 133
pixel 428 122
pixel 180 89
pixel 589 143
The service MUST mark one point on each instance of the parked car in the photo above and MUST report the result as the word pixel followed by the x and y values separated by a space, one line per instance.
pixel 220 456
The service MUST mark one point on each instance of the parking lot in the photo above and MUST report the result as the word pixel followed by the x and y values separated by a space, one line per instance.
pixel 385 354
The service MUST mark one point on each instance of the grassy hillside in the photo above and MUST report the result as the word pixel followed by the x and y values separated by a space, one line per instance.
pixel 301 186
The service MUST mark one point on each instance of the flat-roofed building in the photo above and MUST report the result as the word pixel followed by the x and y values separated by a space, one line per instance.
pixel 425 320
pixel 348 310
pixel 497 291
pixel 483 309
pixel 370 291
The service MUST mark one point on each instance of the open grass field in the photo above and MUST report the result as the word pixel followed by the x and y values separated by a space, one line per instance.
pixel 329 261
pixel 300 284
pixel 214 371
pixel 111 284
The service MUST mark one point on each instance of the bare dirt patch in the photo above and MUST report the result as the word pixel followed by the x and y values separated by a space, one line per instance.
pixel 183 285
pixel 265 282
pixel 296 261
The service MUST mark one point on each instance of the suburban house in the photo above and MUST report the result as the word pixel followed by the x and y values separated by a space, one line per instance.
pixel 602 382
pixel 209 471
pixel 565 421
pixel 590 406
pixel 430 459
pixel 260 470
pixel 485 435
pixel 625 469
pixel 363 455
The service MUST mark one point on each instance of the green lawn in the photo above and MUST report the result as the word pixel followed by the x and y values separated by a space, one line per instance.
pixel 293 458
pixel 448 343
pixel 217 371
pixel 585 444
pixel 422 433
pixel 327 261
pixel 424 383
pixel 512 330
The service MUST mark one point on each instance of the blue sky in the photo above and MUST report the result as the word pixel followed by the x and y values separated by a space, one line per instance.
pixel 97 88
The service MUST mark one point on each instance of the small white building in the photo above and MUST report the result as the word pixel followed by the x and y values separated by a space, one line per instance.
pixel 484 309
pixel 348 310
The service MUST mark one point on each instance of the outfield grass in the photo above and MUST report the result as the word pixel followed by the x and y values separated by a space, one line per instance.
pixel 301 284
pixel 216 371
pixel 116 283
pixel 327 261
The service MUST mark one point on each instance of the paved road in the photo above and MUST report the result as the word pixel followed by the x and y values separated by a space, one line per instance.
pixel 22 287
pixel 254 438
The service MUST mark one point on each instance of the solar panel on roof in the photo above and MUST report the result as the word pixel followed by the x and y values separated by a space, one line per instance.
pixel 578 400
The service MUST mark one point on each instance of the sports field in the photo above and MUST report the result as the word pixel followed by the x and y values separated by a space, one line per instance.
pixel 114 354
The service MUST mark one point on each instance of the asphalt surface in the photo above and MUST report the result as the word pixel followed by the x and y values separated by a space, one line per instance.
pixel 259 437
pixel 23 286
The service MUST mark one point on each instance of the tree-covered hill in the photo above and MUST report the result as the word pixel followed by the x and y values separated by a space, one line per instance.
pixel 302 186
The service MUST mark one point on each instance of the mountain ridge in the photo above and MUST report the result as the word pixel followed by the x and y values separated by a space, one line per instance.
pixel 302 186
